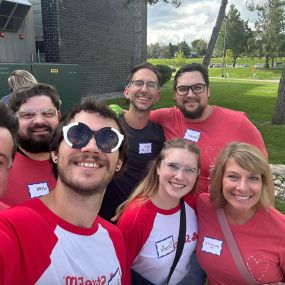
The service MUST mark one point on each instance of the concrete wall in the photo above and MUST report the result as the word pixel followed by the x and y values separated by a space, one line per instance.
pixel 98 35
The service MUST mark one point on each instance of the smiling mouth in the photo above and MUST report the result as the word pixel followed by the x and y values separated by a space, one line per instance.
pixel 88 164
pixel 242 198
pixel 176 185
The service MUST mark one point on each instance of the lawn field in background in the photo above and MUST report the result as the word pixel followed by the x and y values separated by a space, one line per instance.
pixel 253 96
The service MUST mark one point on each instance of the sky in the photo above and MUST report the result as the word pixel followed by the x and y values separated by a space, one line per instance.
pixel 194 19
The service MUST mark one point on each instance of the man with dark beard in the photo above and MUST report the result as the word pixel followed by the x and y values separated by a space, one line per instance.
pixel 211 127
pixel 59 238
pixel 37 107
pixel 145 138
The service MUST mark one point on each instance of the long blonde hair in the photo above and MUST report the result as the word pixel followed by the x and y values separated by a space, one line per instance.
pixel 249 158
pixel 19 78
pixel 149 185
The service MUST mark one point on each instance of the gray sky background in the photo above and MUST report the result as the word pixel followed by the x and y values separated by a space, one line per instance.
pixel 194 19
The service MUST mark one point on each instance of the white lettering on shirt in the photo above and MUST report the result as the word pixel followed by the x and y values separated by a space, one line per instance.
pixel 211 245
pixel 38 190
pixel 192 135
pixel 145 148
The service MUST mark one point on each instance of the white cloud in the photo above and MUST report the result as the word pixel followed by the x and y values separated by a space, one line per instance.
pixel 194 19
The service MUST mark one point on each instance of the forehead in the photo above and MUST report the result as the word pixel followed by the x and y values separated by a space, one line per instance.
pixel 144 74
pixel 181 155
pixel 6 145
pixel 190 78
pixel 94 121
pixel 37 103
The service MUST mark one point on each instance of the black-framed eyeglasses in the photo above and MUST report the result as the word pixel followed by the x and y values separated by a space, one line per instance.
pixel 151 85
pixel 78 135
pixel 183 90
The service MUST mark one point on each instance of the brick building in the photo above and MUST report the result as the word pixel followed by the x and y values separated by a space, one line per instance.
pixel 105 37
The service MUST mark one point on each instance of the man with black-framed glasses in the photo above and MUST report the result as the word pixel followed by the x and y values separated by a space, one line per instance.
pixel 145 137
pixel 211 127
pixel 59 238
pixel 37 107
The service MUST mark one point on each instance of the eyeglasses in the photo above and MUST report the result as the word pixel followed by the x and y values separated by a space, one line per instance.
pixel 151 85
pixel 78 135
pixel 196 89
pixel 31 114
pixel 176 168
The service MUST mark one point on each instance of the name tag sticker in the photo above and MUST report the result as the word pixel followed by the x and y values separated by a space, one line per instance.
pixel 145 148
pixel 192 135
pixel 38 190
pixel 165 246
pixel 211 245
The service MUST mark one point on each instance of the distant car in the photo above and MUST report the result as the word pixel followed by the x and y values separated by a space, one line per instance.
pixel 217 65
pixel 259 65
pixel 245 65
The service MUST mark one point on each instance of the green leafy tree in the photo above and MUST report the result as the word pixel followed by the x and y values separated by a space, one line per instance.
pixel 173 49
pixel 269 27
pixel 199 46
pixel 184 47
pixel 234 35
pixel 180 58
pixel 229 57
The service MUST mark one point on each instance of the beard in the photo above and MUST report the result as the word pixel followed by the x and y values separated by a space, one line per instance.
pixel 35 144
pixel 84 189
pixel 195 114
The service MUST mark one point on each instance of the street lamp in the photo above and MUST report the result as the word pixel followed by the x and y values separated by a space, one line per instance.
pixel 224 50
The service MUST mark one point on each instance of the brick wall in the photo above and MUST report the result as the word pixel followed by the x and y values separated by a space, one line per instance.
pixel 98 35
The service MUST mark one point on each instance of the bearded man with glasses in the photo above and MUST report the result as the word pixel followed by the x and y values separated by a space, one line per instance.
pixel 59 238
pixel 37 107
pixel 210 127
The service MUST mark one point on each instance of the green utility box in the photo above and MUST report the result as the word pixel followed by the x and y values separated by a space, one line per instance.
pixel 64 77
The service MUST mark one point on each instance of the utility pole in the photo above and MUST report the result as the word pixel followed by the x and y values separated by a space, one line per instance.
pixel 224 52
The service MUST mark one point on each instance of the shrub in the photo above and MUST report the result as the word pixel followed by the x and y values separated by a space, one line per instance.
pixel 165 73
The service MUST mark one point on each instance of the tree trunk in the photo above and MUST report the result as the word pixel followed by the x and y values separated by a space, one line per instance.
pixel 215 33
pixel 279 114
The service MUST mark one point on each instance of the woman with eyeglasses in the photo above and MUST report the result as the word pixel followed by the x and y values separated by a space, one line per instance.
pixel 241 236
pixel 150 218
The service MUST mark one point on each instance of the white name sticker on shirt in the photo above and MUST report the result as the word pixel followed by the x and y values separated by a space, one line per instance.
pixel 211 245
pixel 39 189
pixel 191 135
pixel 145 148
pixel 165 246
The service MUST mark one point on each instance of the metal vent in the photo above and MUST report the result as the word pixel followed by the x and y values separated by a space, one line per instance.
pixel 12 14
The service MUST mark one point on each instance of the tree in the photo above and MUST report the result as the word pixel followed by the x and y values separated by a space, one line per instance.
pixel 199 46
pixel 269 26
pixel 180 58
pixel 234 34
pixel 184 47
pixel 173 49
pixel 215 33
pixel 279 113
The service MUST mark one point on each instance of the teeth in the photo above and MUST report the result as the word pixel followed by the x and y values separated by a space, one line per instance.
pixel 176 185
pixel 242 197
pixel 88 164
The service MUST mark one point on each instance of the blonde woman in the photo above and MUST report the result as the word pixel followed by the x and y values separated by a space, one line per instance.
pixel 149 219
pixel 242 189
pixel 18 78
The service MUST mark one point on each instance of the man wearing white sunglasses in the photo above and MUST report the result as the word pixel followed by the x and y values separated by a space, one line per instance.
pixel 59 238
